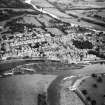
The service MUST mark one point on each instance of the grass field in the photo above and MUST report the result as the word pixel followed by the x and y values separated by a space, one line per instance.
pixel 24 89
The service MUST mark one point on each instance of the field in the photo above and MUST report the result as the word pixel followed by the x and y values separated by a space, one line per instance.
pixel 25 88
pixel 85 13
pixel 62 9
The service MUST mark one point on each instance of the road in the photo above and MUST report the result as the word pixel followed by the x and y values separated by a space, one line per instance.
pixel 40 9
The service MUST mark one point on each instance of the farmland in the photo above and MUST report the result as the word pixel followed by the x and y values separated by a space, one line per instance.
pixel 27 87
pixel 74 11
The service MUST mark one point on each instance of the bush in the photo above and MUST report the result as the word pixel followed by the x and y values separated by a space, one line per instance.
pixel 82 44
